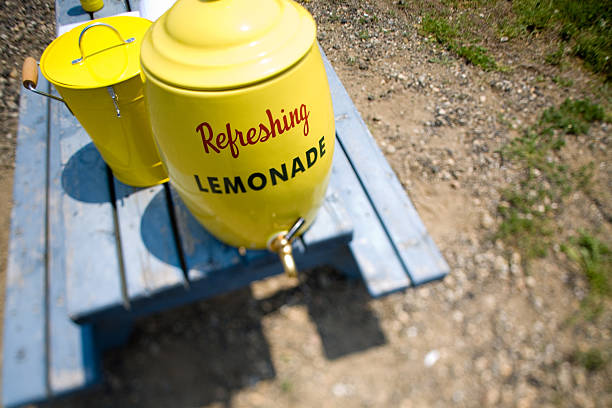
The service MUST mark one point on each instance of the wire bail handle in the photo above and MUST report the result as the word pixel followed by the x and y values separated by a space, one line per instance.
pixel 99 24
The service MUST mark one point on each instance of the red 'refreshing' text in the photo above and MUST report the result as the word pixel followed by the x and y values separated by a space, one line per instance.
pixel 232 138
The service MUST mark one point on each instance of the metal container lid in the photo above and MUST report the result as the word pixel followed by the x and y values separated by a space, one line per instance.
pixel 226 44
pixel 95 54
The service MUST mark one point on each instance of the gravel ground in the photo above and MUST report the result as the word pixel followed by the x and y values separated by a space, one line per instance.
pixel 493 333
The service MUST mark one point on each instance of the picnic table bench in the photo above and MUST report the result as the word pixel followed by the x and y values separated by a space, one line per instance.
pixel 89 254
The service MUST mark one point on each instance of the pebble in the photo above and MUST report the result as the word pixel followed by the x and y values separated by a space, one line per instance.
pixel 458 316
pixel 481 363
pixel 412 331
pixel 391 149
pixel 493 396
pixel 487 221
pixel 342 390
pixel 431 358
pixel 501 265
pixel 565 377
pixel 505 365
pixel 489 302
pixel 583 400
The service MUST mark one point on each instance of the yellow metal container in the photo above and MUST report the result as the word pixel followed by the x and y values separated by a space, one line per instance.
pixel 92 5
pixel 95 68
pixel 241 111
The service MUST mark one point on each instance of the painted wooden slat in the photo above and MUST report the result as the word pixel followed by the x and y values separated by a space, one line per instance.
pixel 151 260
pixel 145 272
pixel 25 362
pixel 78 195
pixel 214 267
pixel 134 5
pixel 331 219
pixel 217 268
pixel 73 359
pixel 380 266
pixel 82 187
pixel 150 254
pixel 415 247
pixel 111 7
pixel 83 218
pixel 69 11
pixel 203 253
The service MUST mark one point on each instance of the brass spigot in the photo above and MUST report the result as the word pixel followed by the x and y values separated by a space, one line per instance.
pixel 281 244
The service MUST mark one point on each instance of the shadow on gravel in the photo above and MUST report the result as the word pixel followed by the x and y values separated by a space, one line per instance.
pixel 204 353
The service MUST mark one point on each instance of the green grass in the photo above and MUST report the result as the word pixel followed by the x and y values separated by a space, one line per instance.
pixel 581 29
pixel 555 58
pixel 595 260
pixel 572 117
pixel 529 206
pixel 450 36
pixel 533 15
pixel 592 359
pixel 563 82
pixel 478 56
pixel 440 29
pixel 286 386
pixel 584 25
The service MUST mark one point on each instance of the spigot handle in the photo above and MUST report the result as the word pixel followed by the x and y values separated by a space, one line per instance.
pixel 285 254
pixel 281 244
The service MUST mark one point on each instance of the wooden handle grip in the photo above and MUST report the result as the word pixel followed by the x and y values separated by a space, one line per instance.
pixel 29 73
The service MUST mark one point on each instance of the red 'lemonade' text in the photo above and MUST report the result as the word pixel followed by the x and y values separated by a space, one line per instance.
pixel 232 138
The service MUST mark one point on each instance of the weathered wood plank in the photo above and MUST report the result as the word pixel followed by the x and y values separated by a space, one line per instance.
pixel 111 7
pixel 134 5
pixel 68 12
pixel 25 303
pixel 150 257
pixel 79 213
pixel 415 247
pixel 203 253
pixel 76 242
pixel 380 266
pixel 331 219
pixel 214 267
pixel 148 249
pixel 73 359
pixel 83 216
pixel 150 254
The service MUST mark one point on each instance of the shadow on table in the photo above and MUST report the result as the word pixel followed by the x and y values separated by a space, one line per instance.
pixel 205 353
pixel 86 177
pixel 77 11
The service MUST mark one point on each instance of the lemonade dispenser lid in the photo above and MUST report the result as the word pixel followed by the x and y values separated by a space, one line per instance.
pixel 226 44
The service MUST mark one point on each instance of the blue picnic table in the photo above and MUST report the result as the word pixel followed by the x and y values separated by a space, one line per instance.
pixel 89 254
